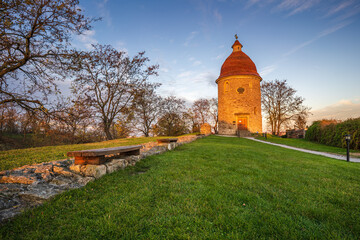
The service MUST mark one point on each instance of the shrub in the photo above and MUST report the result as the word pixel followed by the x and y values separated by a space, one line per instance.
pixel 333 133
pixel 314 132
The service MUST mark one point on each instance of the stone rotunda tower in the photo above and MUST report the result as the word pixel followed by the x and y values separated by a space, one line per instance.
pixel 239 96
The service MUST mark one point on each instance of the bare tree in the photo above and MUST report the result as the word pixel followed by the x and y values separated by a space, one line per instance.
pixel 8 118
pixel 111 79
pixel 213 112
pixel 171 122
pixel 76 114
pixel 280 104
pixel 147 107
pixel 123 128
pixel 192 120
pixel 300 120
pixel 34 48
pixel 28 121
pixel 201 108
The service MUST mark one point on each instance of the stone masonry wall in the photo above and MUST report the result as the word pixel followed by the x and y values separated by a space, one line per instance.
pixel 233 104
pixel 31 185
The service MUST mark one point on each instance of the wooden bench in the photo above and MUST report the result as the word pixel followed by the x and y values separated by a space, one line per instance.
pixel 167 140
pixel 99 156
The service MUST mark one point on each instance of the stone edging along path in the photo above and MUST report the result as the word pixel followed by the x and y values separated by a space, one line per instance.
pixel 30 185
pixel 339 157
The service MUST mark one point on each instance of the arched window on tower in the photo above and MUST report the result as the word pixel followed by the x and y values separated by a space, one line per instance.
pixel 226 86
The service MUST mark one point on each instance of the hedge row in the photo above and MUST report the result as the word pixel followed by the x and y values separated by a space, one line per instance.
pixel 333 133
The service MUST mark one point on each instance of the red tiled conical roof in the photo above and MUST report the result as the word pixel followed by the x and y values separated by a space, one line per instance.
pixel 238 63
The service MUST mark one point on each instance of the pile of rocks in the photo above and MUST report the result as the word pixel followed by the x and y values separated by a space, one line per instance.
pixel 31 185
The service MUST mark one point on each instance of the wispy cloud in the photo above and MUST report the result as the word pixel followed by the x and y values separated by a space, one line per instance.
pixel 209 14
pixel 87 38
pixel 217 15
pixel 338 8
pixel 104 12
pixel 251 2
pixel 351 12
pixel 185 74
pixel 343 9
pixel 320 35
pixel 341 110
pixel 267 70
pixel 190 77
pixel 196 63
pixel 190 38
pixel 333 29
pixel 260 3
pixel 220 56
pixel 202 85
pixel 164 70
pixel 296 6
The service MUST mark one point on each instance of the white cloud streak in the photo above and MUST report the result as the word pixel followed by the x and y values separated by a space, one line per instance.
pixel 267 70
pixel 320 35
pixel 343 9
pixel 296 6
pixel 339 7
pixel 217 16
pixel 190 38
pixel 104 12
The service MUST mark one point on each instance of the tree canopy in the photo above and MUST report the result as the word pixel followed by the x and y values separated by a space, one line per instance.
pixel 35 48
pixel 111 80
pixel 281 105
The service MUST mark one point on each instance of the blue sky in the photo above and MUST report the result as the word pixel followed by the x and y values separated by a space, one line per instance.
pixel 314 44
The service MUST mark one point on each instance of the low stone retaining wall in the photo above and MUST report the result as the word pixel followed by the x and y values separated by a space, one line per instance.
pixel 31 185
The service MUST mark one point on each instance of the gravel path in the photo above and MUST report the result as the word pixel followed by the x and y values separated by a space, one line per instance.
pixel 339 157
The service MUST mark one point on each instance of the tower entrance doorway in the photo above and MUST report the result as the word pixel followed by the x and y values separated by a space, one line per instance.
pixel 242 123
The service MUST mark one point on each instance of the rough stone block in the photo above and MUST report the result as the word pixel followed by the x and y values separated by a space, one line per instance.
pixel 62 171
pixel 37 194
pixel 171 146
pixel 43 169
pixel 85 180
pixel 46 176
pixel 114 165
pixel 18 179
pixel 75 168
pixel 95 171
pixel 61 181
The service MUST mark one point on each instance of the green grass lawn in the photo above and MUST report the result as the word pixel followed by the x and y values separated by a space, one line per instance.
pixel 19 157
pixel 302 143
pixel 213 188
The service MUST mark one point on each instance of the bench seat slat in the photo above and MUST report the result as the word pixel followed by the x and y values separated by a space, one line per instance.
pixel 103 151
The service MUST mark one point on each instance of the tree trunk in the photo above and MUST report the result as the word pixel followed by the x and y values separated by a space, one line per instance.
pixel 107 131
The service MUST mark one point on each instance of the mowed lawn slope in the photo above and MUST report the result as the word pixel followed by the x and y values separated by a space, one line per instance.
pixel 213 188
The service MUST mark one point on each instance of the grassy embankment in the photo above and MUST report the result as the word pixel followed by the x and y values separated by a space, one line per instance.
pixel 214 188
pixel 19 157
pixel 302 143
